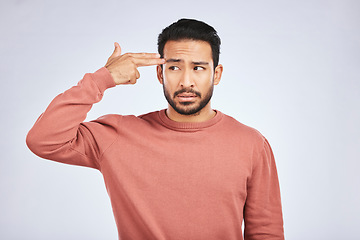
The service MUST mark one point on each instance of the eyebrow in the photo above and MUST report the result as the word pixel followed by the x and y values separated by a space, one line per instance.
pixel 181 60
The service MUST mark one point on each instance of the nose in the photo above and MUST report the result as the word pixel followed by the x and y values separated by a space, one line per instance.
pixel 187 79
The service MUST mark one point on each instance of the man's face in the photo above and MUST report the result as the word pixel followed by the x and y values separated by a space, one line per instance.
pixel 188 75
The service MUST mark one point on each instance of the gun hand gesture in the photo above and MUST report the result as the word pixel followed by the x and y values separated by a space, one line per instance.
pixel 123 68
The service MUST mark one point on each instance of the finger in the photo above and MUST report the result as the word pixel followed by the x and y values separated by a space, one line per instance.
pixel 144 55
pixel 132 82
pixel 141 62
pixel 129 82
pixel 117 50
pixel 133 79
pixel 137 74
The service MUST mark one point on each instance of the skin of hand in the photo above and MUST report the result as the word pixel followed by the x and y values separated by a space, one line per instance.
pixel 123 68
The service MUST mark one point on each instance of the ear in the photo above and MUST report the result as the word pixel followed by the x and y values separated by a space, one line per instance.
pixel 160 75
pixel 217 74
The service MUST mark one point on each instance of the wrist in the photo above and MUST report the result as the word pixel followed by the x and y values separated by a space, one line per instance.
pixel 103 79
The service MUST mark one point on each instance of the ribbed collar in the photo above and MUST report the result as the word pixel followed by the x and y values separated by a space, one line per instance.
pixel 188 126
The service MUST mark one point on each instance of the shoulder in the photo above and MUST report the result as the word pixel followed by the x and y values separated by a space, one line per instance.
pixel 241 134
pixel 241 129
pixel 149 116
pixel 129 120
pixel 251 139
pixel 109 119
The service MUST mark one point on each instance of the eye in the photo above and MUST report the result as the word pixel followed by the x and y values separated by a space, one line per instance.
pixel 174 68
pixel 199 68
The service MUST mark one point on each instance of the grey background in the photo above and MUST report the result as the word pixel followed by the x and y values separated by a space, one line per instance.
pixel 291 70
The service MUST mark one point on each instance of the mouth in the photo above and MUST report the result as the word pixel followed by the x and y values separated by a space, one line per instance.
pixel 186 97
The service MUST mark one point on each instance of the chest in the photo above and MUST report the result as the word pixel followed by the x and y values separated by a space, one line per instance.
pixel 181 163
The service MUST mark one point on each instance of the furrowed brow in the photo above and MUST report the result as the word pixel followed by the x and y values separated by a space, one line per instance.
pixel 200 63
pixel 173 60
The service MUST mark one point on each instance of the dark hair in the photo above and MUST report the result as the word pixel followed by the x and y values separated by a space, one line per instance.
pixel 193 30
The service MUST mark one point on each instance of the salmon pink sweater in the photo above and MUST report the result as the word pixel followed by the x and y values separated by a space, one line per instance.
pixel 167 180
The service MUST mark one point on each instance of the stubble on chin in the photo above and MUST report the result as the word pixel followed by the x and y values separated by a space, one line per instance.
pixel 186 108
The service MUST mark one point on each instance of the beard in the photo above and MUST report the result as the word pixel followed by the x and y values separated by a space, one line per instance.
pixel 188 108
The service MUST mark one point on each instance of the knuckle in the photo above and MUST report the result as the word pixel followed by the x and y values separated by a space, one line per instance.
pixel 126 56
pixel 132 81
pixel 130 58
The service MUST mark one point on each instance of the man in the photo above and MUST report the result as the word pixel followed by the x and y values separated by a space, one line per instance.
pixel 187 172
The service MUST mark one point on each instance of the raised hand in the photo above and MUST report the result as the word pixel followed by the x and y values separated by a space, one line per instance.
pixel 123 68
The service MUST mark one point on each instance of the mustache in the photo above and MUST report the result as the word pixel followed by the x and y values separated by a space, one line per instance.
pixel 187 90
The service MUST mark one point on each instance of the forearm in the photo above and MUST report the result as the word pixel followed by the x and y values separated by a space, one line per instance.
pixel 60 122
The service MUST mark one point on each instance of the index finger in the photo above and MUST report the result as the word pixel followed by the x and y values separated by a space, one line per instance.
pixel 144 55
pixel 141 62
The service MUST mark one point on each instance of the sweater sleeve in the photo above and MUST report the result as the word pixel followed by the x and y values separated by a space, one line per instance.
pixel 262 211
pixel 59 133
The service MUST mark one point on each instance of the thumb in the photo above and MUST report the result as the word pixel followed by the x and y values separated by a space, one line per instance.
pixel 117 50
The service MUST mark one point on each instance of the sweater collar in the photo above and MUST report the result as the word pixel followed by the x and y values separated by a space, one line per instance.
pixel 188 126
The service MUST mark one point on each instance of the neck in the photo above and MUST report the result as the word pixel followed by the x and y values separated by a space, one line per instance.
pixel 203 115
